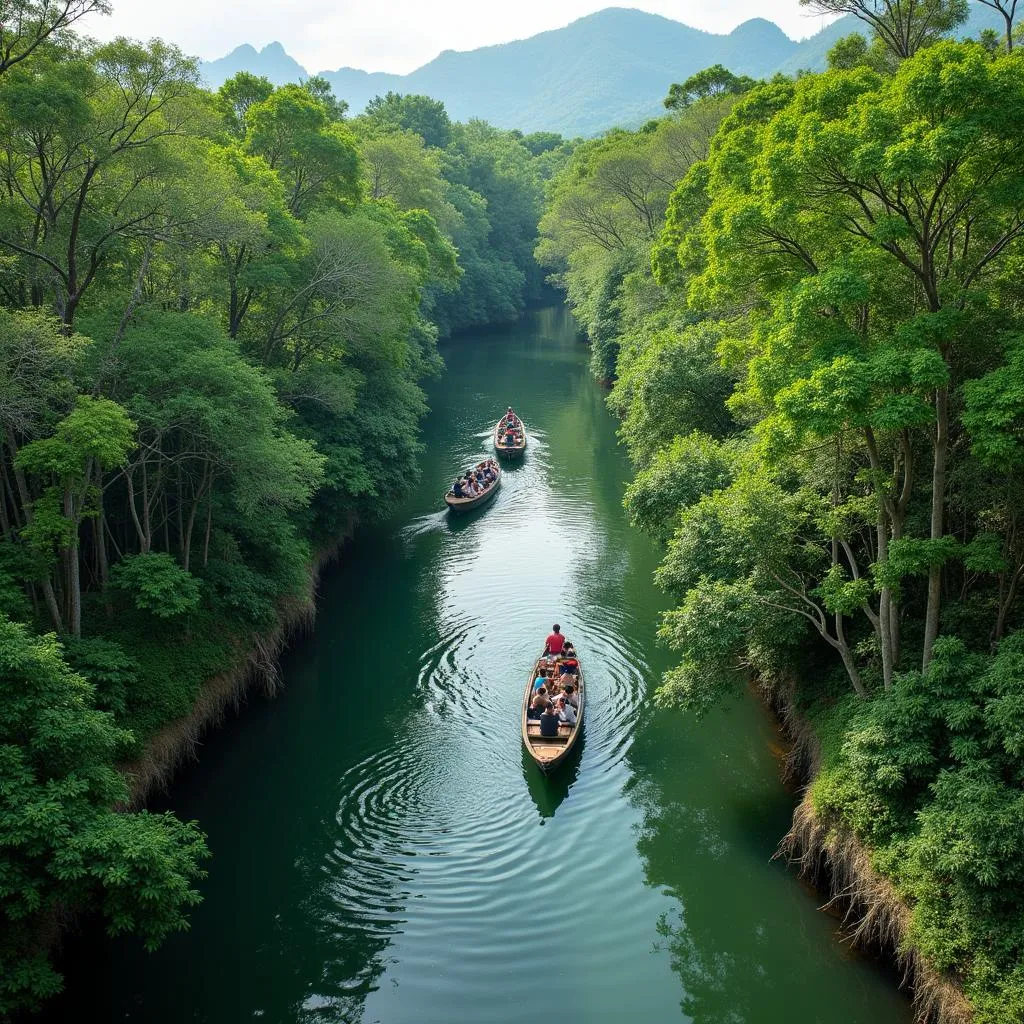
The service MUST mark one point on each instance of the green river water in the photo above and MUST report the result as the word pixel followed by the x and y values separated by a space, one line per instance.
pixel 383 852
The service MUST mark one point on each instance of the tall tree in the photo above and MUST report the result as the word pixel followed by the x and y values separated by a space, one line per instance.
pixel 27 24
pixel 904 26
pixel 314 156
pixel 877 236
pixel 83 150
pixel 1008 9
pixel 420 114
pixel 96 436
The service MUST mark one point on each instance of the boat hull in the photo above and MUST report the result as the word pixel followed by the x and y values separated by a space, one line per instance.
pixel 468 504
pixel 547 753
pixel 509 451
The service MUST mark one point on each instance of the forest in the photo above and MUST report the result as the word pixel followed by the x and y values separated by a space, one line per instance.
pixel 216 312
pixel 807 296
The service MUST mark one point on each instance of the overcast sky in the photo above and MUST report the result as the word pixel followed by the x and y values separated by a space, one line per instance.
pixel 398 35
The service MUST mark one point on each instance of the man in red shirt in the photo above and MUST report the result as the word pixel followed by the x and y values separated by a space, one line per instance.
pixel 555 642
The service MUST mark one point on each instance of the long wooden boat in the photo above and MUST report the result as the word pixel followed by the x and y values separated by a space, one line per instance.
pixel 550 751
pixel 466 504
pixel 512 451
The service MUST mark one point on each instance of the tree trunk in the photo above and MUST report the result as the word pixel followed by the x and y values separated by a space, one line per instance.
pixel 931 619
pixel 73 597
pixel 26 507
pixel 146 524
pixel 848 663
pixel 130 481
pixel 209 524
pixel 886 610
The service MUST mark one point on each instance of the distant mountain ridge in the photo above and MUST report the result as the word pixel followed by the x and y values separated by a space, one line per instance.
pixel 610 68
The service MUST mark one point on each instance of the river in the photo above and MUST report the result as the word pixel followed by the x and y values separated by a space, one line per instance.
pixel 382 850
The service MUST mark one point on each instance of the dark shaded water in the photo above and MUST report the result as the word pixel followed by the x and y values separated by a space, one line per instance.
pixel 384 853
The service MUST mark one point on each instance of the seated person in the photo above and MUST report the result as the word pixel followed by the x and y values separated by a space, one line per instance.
pixel 566 712
pixel 555 641
pixel 549 721
pixel 457 489
pixel 537 705
pixel 540 680
pixel 571 696
pixel 569 665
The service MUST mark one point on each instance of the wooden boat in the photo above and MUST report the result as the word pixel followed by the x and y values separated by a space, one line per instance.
pixel 512 451
pixel 466 504
pixel 550 751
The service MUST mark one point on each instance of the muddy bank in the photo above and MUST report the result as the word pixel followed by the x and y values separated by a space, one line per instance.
pixel 827 854
pixel 255 669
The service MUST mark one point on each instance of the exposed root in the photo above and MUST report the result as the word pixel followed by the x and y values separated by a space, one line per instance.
pixel 873 914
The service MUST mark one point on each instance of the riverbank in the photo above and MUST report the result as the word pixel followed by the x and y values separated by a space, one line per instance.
pixel 350 845
pixel 826 852
pixel 256 666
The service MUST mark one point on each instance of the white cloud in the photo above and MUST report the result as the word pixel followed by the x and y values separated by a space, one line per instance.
pixel 399 35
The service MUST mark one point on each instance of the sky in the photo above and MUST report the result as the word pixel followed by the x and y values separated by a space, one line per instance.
pixel 399 35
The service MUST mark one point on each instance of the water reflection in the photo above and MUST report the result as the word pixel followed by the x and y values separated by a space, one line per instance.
pixel 548 791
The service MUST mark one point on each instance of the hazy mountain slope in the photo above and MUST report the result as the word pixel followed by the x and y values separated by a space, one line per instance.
pixel 610 68
pixel 272 62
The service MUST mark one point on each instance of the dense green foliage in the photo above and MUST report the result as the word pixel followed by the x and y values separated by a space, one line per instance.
pixel 815 341
pixel 216 311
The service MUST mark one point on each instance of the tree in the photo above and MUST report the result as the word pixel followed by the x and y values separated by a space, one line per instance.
pixel 903 26
pixel 877 296
pixel 542 142
pixel 85 134
pixel 27 24
pixel 419 114
pixel 399 167
pixel 315 157
pixel 241 213
pixel 209 424
pixel 1008 9
pixel 318 87
pixel 707 84
pixel 157 584
pixel 96 436
pixel 238 94
pixel 63 843
pixel 37 360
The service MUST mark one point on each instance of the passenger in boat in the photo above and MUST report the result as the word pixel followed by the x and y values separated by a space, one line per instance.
pixel 566 712
pixel 570 695
pixel 549 721
pixel 569 665
pixel 537 705
pixel 457 488
pixel 541 681
pixel 555 641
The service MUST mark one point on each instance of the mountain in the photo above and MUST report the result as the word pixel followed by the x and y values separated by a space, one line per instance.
pixel 610 68
pixel 272 62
